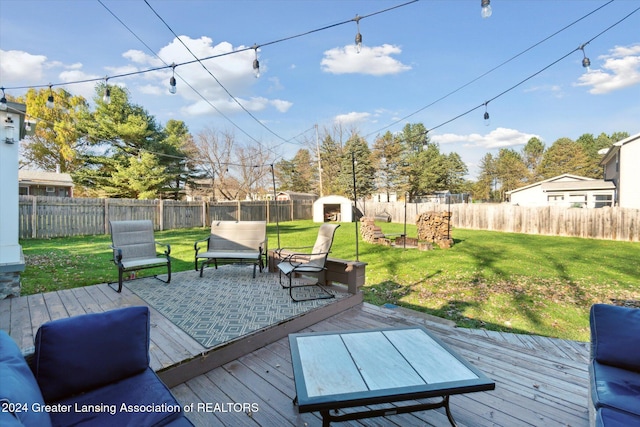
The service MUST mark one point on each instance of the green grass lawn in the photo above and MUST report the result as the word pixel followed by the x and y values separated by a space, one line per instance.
pixel 500 281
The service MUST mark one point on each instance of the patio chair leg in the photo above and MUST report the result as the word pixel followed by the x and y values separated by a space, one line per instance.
pixel 327 294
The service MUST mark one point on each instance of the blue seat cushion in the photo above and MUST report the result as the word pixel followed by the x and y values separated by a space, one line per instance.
pixel 81 353
pixel 612 418
pixel 19 390
pixel 616 388
pixel 140 400
pixel 615 335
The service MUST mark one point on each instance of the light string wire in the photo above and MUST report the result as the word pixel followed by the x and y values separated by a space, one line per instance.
pixel 442 98
pixel 484 104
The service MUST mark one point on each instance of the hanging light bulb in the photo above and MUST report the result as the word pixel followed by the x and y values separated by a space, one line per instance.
pixel 256 63
pixel 3 101
pixel 172 80
pixel 487 122
pixel 106 98
pixel 358 35
pixel 49 103
pixel 586 62
pixel 486 8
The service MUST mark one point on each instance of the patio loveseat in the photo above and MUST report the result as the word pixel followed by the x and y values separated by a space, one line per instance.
pixel 614 369
pixel 88 370
pixel 244 241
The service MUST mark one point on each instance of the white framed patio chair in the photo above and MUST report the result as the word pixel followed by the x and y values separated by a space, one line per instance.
pixel 310 263
pixel 134 248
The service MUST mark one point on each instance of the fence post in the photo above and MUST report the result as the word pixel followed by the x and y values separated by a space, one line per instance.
pixel 160 212
pixel 105 214
pixel 34 218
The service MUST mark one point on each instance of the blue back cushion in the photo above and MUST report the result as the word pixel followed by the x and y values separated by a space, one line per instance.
pixel 19 391
pixel 85 352
pixel 615 336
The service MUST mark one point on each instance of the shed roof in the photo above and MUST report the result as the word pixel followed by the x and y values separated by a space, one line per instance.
pixel 44 178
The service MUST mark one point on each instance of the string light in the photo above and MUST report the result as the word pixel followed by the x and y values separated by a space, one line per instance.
pixel 49 103
pixel 358 35
pixel 586 62
pixel 106 98
pixel 172 80
pixel 3 101
pixel 256 63
pixel 486 8
pixel 487 122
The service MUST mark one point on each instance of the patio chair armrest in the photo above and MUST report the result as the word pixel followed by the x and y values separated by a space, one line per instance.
pixel 196 246
pixel 167 250
pixel 117 254
pixel 297 248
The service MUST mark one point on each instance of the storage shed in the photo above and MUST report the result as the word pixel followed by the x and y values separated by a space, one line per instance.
pixel 332 208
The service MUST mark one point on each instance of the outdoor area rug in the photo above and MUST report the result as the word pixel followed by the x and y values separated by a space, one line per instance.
pixel 226 303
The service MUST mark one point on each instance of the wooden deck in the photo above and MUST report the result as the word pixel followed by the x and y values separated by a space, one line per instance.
pixel 539 381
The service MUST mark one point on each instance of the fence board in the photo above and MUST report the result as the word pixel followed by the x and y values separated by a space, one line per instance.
pixel 46 217
pixel 602 223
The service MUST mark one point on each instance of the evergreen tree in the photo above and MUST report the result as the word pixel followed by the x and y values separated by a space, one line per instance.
pixel 356 156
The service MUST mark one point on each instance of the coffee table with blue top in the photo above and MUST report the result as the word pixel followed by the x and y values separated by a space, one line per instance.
pixel 334 370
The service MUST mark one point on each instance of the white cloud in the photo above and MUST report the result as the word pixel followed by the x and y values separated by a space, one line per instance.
pixel 349 118
pixel 280 105
pixel 375 60
pixel 235 72
pixel 497 138
pixel 16 65
pixel 620 69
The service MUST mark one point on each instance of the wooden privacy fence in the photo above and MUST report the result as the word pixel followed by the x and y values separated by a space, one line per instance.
pixel 602 223
pixel 46 217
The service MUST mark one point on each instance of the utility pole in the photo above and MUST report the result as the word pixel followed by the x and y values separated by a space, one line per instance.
pixel 319 161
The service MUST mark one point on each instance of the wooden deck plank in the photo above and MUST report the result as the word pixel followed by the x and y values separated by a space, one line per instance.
pixel 37 311
pixel 539 380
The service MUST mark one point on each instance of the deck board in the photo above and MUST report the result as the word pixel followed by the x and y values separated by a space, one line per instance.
pixel 540 381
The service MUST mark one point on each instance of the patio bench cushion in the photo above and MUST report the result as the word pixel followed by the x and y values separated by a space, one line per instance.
pixel 614 368
pixel 615 388
pixel 19 392
pixel 612 418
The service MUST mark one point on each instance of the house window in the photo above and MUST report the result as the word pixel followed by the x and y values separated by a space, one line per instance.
pixel 555 198
pixel 603 200
pixel 51 190
pixel 23 191
pixel 578 200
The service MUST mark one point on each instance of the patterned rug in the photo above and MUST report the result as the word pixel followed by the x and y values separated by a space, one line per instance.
pixel 226 303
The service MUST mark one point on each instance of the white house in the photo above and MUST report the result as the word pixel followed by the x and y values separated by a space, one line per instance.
pixel 622 168
pixel 565 190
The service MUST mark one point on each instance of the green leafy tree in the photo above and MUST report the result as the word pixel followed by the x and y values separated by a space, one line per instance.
pixel 297 174
pixel 178 154
pixel 510 171
pixel 330 159
pixel 532 156
pixel 487 179
pixel 356 156
pixel 387 158
pixel 564 156
pixel 455 170
pixel 136 178
pixel 124 131
pixel 58 141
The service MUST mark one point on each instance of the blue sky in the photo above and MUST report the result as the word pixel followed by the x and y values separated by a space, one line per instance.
pixel 419 63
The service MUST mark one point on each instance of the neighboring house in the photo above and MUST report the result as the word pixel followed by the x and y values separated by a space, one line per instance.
pixel 292 195
pixel 38 183
pixel 621 164
pixel 565 190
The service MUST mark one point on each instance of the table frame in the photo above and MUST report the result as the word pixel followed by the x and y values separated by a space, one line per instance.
pixel 326 404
